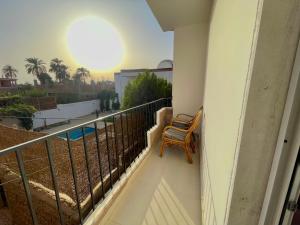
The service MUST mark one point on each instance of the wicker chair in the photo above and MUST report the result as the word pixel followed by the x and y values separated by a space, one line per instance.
pixel 182 137
pixel 184 121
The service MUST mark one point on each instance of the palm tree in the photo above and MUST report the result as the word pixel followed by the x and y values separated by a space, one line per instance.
pixel 60 70
pixel 35 66
pixel 64 73
pixel 45 79
pixel 55 66
pixel 9 72
pixel 81 74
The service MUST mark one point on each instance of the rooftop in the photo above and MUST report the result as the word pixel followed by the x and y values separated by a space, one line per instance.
pixel 143 70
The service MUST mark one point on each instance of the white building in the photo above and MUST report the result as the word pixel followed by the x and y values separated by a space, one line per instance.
pixel 164 70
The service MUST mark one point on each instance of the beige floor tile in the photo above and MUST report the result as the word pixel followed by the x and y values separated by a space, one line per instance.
pixel 162 191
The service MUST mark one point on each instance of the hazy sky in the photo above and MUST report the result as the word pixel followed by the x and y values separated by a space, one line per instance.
pixel 38 28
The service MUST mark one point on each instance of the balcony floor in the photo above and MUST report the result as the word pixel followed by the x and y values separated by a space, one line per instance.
pixel 162 191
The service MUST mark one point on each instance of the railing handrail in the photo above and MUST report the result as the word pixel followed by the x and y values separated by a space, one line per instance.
pixel 43 138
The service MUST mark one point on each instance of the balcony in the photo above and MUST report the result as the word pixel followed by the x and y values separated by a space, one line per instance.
pixel 55 179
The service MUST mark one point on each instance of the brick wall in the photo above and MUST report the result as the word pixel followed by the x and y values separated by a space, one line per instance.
pixel 43 200
pixel 37 169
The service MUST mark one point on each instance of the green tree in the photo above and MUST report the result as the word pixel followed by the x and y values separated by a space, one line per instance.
pixel 64 73
pixel 116 103
pixel 45 80
pixel 9 72
pixel 80 75
pixel 35 67
pixel 59 69
pixel 105 96
pixel 145 88
pixel 21 111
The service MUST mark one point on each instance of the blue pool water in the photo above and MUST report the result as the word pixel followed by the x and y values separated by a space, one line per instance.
pixel 77 133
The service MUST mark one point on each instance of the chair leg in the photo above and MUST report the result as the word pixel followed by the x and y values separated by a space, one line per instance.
pixel 193 143
pixel 162 148
pixel 193 147
pixel 188 153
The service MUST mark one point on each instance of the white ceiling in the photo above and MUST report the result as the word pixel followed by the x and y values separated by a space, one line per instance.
pixel 173 13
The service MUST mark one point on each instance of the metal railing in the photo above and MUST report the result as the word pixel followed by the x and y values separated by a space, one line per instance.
pixel 105 154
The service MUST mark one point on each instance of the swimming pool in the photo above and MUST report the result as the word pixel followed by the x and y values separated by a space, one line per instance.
pixel 77 133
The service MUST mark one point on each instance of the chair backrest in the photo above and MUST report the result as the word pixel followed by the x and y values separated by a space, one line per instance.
pixel 195 116
pixel 196 121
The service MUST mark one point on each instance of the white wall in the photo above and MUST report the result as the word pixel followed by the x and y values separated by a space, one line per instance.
pixel 229 53
pixel 190 45
pixel 251 52
pixel 64 112
pixel 277 42
pixel 120 84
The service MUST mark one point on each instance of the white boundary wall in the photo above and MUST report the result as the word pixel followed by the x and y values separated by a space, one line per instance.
pixel 64 112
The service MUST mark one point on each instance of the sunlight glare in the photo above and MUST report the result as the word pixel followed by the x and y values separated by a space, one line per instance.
pixel 94 43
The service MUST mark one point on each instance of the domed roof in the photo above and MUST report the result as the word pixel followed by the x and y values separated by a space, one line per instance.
pixel 167 63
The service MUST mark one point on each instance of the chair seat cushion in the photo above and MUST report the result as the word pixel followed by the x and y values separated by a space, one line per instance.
pixel 175 134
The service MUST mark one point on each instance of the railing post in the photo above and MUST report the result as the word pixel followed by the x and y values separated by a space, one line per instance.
pixel 123 147
pixel 142 126
pixel 88 168
pixel 74 177
pixel 128 144
pixel 137 132
pixel 148 117
pixel 146 125
pixel 116 146
pixel 108 154
pixel 99 158
pixel 132 137
pixel 155 112
pixel 151 115
pixel 26 187
pixel 55 186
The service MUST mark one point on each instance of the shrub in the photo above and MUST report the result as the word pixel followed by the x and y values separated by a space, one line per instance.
pixel 65 98
pixel 35 92
pixel 9 100
pixel 25 87
pixel 105 96
pixel 145 88
pixel 22 111
pixel 116 105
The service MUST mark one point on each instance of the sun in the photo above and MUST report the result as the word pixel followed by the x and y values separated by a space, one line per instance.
pixel 94 43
